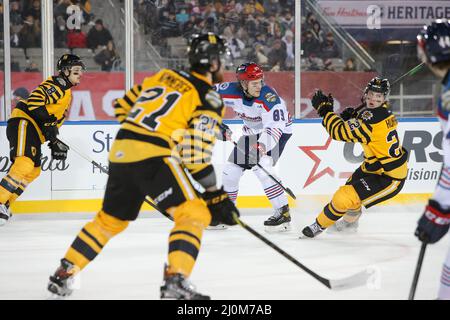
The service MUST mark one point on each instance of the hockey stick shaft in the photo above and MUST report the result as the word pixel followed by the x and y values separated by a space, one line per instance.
pixel 287 190
pixel 409 72
pixel 359 279
pixel 322 280
pixel 412 291
pixel 102 169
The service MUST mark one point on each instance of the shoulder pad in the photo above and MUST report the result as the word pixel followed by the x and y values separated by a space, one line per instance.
pixel 228 88
pixel 376 115
pixel 213 99
pixel 270 97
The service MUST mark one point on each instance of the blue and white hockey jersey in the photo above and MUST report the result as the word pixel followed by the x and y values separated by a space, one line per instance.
pixel 444 100
pixel 266 115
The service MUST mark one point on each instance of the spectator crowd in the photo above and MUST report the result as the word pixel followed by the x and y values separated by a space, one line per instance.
pixel 258 30
pixel 74 24
pixel 255 30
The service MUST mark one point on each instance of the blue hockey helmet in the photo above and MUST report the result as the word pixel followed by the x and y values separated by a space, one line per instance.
pixel 433 42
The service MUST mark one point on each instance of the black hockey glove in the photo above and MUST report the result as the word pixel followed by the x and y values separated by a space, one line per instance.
pixel 322 103
pixel 50 129
pixel 433 224
pixel 225 133
pixel 348 113
pixel 221 207
pixel 59 149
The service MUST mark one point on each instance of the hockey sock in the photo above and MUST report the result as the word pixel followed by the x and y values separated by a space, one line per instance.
pixel 273 191
pixel 444 289
pixel 443 188
pixel 352 215
pixel 21 167
pixel 232 173
pixel 17 193
pixel 344 199
pixel 191 218
pixel 93 237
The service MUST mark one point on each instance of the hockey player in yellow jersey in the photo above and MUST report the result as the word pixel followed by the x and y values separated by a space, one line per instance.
pixel 33 122
pixel 169 123
pixel 382 174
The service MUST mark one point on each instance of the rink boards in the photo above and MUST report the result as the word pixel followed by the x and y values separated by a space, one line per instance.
pixel 312 165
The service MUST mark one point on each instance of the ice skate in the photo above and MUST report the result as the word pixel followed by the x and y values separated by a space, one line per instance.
pixel 176 286
pixel 280 221
pixel 217 226
pixel 348 224
pixel 5 214
pixel 61 282
pixel 311 231
pixel 342 226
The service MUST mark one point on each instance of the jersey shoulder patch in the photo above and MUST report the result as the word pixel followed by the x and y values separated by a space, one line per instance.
pixel 372 116
pixel 270 97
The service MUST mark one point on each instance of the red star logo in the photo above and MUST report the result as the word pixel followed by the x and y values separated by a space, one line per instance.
pixel 313 176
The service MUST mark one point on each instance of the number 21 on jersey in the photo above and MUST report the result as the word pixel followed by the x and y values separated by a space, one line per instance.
pixel 152 104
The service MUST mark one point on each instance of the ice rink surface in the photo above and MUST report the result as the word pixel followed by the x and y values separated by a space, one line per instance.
pixel 232 264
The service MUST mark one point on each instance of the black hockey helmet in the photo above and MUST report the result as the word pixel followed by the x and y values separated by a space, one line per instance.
pixel 434 41
pixel 69 60
pixel 204 48
pixel 380 85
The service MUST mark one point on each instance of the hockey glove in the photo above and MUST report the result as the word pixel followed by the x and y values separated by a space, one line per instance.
pixel 50 129
pixel 434 223
pixel 322 103
pixel 225 133
pixel 348 113
pixel 221 207
pixel 59 149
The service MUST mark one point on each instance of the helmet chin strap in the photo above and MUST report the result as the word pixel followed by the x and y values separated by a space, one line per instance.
pixel 66 78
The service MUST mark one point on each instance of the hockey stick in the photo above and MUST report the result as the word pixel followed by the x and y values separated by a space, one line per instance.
pixel 278 182
pixel 359 279
pixel 102 169
pixel 412 291
pixel 408 73
pixel 345 283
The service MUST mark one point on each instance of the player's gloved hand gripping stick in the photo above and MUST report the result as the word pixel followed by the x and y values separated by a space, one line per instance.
pixel 358 279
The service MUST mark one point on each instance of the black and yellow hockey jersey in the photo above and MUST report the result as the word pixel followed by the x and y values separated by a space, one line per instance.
pixel 376 130
pixel 170 114
pixel 48 102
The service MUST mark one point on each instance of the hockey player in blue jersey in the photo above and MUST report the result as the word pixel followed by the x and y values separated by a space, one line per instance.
pixel 433 48
pixel 267 128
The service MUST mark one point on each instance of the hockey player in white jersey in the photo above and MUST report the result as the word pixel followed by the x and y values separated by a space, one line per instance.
pixel 433 48
pixel 267 128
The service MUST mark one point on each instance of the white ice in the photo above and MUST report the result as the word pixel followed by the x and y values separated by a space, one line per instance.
pixel 232 264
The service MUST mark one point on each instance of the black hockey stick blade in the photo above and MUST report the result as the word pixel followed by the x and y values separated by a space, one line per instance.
pixel 356 280
pixel 289 192
pixel 412 291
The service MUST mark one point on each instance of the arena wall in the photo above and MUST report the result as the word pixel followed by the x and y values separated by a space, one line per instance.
pixel 313 166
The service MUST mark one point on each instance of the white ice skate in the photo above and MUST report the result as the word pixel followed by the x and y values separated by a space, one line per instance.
pixel 216 226
pixel 344 227
pixel 5 214
pixel 348 224
pixel 62 282
pixel 311 231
